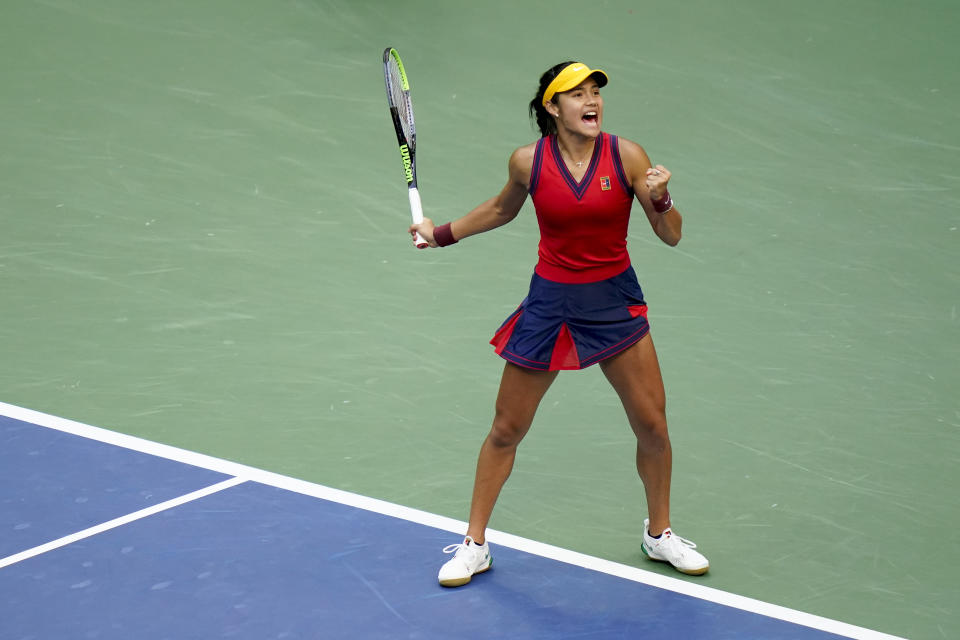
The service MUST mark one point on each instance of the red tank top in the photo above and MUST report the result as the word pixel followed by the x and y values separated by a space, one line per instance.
pixel 583 225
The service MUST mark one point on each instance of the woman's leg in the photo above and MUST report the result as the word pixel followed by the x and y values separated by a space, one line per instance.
pixel 520 393
pixel 635 375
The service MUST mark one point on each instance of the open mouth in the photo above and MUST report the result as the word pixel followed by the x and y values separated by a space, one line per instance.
pixel 590 117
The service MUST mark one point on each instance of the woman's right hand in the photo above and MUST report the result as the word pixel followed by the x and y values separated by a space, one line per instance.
pixel 425 229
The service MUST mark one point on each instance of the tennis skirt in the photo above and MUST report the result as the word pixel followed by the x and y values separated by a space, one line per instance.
pixel 572 326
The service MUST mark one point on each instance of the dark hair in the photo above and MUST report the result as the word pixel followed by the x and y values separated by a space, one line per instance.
pixel 538 112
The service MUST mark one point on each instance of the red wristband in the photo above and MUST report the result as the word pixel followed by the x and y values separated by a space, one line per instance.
pixel 443 236
pixel 662 204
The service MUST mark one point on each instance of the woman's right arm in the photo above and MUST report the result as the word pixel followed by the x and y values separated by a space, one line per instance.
pixel 495 212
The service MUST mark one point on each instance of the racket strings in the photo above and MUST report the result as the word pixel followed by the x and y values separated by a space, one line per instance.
pixel 401 100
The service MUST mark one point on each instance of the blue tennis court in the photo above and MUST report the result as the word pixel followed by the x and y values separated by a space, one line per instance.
pixel 110 536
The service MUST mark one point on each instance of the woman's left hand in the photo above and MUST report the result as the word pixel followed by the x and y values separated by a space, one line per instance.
pixel 657 179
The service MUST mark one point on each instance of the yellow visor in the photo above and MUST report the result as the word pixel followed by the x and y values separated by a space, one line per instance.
pixel 571 77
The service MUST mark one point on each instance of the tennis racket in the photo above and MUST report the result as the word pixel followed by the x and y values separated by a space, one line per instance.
pixel 401 110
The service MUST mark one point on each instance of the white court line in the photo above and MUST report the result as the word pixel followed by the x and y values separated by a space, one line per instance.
pixel 117 522
pixel 243 472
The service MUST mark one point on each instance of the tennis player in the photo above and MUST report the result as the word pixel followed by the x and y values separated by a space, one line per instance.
pixel 584 305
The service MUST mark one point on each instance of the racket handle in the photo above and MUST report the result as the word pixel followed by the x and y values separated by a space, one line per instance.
pixel 416 210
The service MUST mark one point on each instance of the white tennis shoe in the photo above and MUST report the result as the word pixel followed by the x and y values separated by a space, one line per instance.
pixel 469 558
pixel 671 548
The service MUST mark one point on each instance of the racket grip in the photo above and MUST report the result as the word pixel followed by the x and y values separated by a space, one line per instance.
pixel 416 211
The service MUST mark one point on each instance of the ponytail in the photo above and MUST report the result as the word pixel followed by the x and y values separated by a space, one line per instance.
pixel 538 113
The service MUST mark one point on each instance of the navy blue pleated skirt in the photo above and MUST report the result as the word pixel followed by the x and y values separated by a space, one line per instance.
pixel 572 326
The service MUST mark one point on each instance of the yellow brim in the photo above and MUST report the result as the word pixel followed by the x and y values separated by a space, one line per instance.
pixel 571 77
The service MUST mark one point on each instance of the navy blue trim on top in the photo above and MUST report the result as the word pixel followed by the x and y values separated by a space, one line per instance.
pixel 618 164
pixel 535 171
pixel 579 188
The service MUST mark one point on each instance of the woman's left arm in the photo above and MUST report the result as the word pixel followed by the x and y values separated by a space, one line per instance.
pixel 650 186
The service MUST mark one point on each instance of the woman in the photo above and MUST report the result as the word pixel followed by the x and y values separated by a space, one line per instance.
pixel 584 306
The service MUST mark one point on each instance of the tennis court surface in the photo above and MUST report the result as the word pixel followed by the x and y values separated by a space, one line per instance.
pixel 110 536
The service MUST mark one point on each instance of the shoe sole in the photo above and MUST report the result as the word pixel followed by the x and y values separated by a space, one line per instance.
pixel 689 572
pixel 459 582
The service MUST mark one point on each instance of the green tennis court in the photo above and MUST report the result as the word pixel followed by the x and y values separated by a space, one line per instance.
pixel 203 243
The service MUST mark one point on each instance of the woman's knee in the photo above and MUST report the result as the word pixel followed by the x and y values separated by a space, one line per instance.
pixel 650 425
pixel 508 429
pixel 520 393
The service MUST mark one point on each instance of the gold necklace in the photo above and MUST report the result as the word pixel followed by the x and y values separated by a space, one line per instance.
pixel 579 163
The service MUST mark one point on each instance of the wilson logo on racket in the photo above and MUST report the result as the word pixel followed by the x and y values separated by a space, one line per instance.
pixel 407 165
